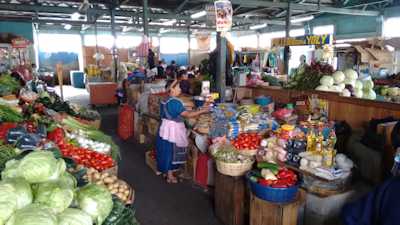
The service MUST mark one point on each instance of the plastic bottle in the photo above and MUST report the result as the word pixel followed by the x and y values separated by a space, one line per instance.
pixel 396 165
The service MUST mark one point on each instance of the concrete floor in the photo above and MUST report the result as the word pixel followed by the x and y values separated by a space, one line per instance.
pixel 156 202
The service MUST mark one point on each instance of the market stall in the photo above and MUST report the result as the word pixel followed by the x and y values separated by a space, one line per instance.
pixel 56 166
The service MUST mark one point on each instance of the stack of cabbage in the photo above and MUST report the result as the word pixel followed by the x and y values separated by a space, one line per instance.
pixel 37 190
pixel 347 84
pixel 390 93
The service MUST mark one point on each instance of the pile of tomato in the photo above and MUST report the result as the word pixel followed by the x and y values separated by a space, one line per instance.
pixel 249 141
pixel 286 178
pixel 82 156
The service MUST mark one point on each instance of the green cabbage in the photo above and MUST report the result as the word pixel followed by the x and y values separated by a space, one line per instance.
pixel 327 81
pixel 351 74
pixel 11 170
pixel 339 77
pixel 54 195
pixel 74 217
pixel 41 166
pixel 23 191
pixel 368 85
pixel 67 180
pixel 33 214
pixel 369 94
pixel 8 202
pixel 96 201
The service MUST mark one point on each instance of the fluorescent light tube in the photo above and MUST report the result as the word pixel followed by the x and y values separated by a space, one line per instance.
pixel 258 26
pixel 351 40
pixel 301 19
pixel 67 26
pixel 198 14
pixel 344 45
pixel 163 31
pixel 75 16
pixel 169 23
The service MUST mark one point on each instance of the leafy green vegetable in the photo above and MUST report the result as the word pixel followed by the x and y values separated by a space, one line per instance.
pixel 8 85
pixel 11 169
pixel 23 191
pixel 8 202
pixel 67 180
pixel 96 201
pixel 54 195
pixel 7 152
pixel 121 214
pixel 93 134
pixel 40 166
pixel 74 217
pixel 273 81
pixel 8 114
pixel 33 214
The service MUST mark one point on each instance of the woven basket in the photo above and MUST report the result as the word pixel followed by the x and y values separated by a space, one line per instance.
pixel 248 152
pixel 233 169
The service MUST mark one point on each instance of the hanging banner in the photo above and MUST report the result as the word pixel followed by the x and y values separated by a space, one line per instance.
pixel 325 39
pixel 223 15
pixel 19 43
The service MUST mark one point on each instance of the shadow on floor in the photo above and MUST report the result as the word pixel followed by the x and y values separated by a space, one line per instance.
pixel 157 203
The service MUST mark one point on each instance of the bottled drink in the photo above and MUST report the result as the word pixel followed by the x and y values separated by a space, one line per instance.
pixel 396 165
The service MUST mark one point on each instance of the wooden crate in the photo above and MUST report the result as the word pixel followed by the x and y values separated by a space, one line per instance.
pixel 152 163
pixel 231 199
pixel 263 212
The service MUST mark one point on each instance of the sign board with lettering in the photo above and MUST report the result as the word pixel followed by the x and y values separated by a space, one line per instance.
pixel 325 39
pixel 223 15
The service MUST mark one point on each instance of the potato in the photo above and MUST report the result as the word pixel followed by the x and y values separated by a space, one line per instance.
pixel 99 183
pixel 96 176
pixel 127 192
pixel 104 175
pixel 108 180
pixel 115 179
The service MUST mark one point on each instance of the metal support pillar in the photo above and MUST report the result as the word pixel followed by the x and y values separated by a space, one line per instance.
pixel 287 48
pixel 221 66
pixel 146 17
pixel 114 47
pixel 188 37
pixel 379 26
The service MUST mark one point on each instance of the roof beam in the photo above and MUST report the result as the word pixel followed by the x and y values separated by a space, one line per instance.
pixel 181 6
pixel 91 11
pixel 297 6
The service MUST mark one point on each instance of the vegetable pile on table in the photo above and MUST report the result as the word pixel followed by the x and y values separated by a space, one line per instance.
pixel 228 154
pixel 114 185
pixel 8 85
pixel 272 175
pixel 38 186
pixel 308 77
pixel 82 156
pixel 247 141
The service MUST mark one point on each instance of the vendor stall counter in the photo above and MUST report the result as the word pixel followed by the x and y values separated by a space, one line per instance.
pixel 102 93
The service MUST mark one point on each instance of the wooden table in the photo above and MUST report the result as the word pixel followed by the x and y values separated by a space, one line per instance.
pixel 264 212
pixel 231 199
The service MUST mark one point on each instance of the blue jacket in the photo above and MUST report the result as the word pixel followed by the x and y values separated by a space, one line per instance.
pixel 380 207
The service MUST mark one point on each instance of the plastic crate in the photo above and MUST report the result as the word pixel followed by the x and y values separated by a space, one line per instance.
pixel 277 195
pixel 126 122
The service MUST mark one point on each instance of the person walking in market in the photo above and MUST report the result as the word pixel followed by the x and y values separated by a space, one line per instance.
pixel 172 140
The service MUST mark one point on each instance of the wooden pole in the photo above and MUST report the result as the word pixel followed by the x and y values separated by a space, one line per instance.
pixel 59 69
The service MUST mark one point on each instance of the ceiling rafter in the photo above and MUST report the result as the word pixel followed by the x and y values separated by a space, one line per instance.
pixel 296 6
